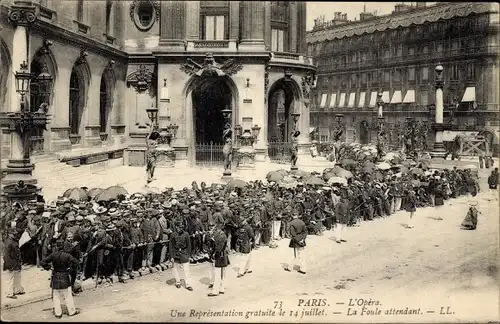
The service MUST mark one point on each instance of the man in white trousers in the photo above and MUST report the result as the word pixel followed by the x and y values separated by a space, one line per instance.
pixel 219 255
pixel 298 233
pixel 245 240
pixel 12 264
pixel 60 282
pixel 342 216
pixel 180 250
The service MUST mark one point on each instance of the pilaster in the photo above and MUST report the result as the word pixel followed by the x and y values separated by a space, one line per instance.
pixel 293 27
pixel 267 24
pixel 252 26
pixel 234 18
pixel 173 24
pixel 193 20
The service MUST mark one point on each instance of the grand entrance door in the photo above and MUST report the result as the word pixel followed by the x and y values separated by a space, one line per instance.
pixel 209 98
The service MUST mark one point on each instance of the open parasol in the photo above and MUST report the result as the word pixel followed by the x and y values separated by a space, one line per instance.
pixel 94 192
pixel 417 171
pixel 301 174
pixel 111 193
pixel 314 181
pixel 237 183
pixel 339 180
pixel 383 166
pixel 77 194
pixel 274 176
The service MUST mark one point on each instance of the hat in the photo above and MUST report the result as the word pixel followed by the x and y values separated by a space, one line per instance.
pixel 100 210
pixel 111 227
pixel 52 205
pixel 174 201
pixel 326 188
pixel 155 213
pixel 167 205
pixel 185 211
pixel 79 218
pixel 71 217
pixel 46 214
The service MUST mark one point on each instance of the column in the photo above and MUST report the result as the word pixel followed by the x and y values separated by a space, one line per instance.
pixel 192 20
pixel 301 27
pixel 234 20
pixel 252 26
pixel 292 31
pixel 438 150
pixel 267 24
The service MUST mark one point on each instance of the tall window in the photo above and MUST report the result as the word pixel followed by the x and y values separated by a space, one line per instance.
pixel 79 11
pixel 411 74
pixel 425 73
pixel 214 18
pixel 470 71
pixel 424 98
pixel 387 76
pixel 278 40
pixel 454 72
pixel 397 75
pixel 279 26
pixel 214 28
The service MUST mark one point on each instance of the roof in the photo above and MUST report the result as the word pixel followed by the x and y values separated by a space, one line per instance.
pixel 404 19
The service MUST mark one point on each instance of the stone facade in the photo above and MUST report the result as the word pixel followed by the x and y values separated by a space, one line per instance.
pixel 398 53
pixel 112 60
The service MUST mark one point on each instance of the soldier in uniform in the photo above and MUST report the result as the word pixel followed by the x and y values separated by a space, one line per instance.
pixel 246 240
pixel 180 250
pixel 60 281
pixel 342 214
pixel 220 257
pixel 298 232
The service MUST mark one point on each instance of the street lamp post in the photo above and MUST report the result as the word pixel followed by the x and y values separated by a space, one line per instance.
pixel 438 151
pixel 380 127
pixel 19 183
pixel 246 152
pixel 294 146
pixel 228 143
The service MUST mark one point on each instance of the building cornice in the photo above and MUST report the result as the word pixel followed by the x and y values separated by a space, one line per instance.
pixel 444 11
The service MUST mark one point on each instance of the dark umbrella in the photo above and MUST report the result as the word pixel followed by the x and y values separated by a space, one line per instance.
pixel 341 172
pixel 274 176
pixel 301 174
pixel 111 193
pixel 77 194
pixel 347 162
pixel 315 181
pixel 237 183
pixel 417 171
pixel 94 192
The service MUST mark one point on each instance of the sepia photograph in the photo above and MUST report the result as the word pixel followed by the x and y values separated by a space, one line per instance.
pixel 249 161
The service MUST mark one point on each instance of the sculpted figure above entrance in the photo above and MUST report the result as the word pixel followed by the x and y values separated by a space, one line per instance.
pixel 210 67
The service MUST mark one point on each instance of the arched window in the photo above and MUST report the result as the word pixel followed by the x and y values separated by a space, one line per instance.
pixel 76 97
pixel 103 106
pixel 38 95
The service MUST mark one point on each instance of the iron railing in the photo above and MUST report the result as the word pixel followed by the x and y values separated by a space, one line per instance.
pixel 279 152
pixel 209 154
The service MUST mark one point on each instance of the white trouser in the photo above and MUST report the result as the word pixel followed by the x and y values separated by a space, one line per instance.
pixel 276 229
pixel 397 204
pixel 67 297
pixel 14 282
pixel 184 268
pixel 298 258
pixel 339 231
pixel 229 241
pixel 217 276
pixel 245 263
pixel 410 219
pixel 258 234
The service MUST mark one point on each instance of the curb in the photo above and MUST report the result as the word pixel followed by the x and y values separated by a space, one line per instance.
pixel 49 295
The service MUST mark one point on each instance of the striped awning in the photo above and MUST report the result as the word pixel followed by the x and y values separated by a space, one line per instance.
pixel 373 99
pixel 333 100
pixel 352 98
pixel 342 100
pixel 396 97
pixel 469 95
pixel 323 100
pixel 409 97
pixel 362 99
pixel 386 97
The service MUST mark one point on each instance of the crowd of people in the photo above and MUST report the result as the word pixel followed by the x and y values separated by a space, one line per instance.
pixel 147 232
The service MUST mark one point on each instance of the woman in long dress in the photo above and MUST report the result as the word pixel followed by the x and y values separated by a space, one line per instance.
pixel 470 220
pixel 411 206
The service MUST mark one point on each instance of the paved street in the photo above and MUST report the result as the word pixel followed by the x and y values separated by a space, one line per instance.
pixel 434 265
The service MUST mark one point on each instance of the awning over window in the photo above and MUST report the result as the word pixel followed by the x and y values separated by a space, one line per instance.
pixel 352 97
pixel 409 97
pixel 396 97
pixel 342 100
pixel 333 100
pixel 373 99
pixel 362 97
pixel 469 95
pixel 323 100
pixel 385 97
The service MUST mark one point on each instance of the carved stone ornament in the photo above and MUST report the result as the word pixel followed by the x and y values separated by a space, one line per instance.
pixel 20 190
pixel 288 74
pixel 46 47
pixel 266 82
pixel 141 79
pixel 210 67
pixel 156 6
pixel 82 58
pixel 308 82
pixel 22 15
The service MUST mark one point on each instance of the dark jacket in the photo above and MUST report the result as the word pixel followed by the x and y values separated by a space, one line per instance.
pixel 180 247
pixel 148 229
pixel 298 232
pixel 219 249
pixel 411 203
pixel 11 255
pixel 136 235
pixel 342 211
pixel 61 262
pixel 245 238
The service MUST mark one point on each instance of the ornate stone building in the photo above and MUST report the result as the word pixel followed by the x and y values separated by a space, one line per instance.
pixel 112 61
pixel 396 54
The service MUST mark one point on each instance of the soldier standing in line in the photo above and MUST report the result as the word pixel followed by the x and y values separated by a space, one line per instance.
pixel 180 250
pixel 298 232
pixel 60 281
pixel 220 257
pixel 246 240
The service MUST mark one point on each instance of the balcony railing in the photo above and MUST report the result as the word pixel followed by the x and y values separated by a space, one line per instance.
pixel 211 44
pixel 286 56
pixel 299 58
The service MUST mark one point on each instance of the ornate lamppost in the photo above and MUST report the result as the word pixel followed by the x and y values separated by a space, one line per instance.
pixel 294 145
pixel 19 183
pixel 380 127
pixel 165 149
pixel 439 151
pixel 228 143
pixel 410 136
